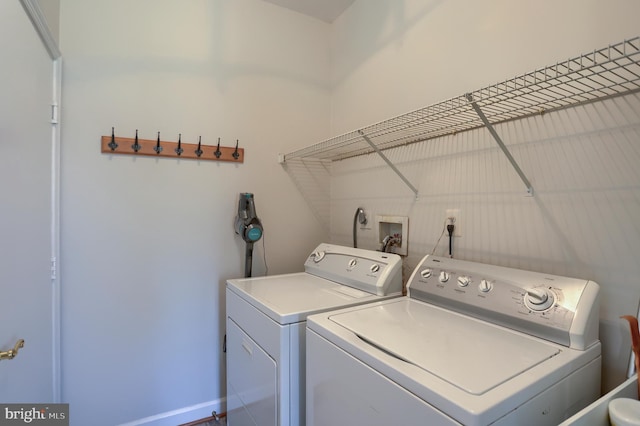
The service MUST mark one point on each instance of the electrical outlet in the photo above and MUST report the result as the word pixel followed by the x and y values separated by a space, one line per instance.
pixel 453 215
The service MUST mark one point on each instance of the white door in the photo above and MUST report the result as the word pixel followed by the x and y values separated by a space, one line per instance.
pixel 26 87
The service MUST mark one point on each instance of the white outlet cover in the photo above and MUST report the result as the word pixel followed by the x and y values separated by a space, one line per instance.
pixel 457 230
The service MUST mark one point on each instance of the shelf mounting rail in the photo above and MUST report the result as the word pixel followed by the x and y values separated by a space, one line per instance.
pixel 501 144
pixel 389 163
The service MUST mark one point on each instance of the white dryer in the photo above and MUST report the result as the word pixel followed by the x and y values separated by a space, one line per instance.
pixel 471 344
pixel 266 318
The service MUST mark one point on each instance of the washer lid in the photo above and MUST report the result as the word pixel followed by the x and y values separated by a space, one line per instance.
pixel 291 298
pixel 470 354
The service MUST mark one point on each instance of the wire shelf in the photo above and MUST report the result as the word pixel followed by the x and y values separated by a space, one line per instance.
pixel 598 75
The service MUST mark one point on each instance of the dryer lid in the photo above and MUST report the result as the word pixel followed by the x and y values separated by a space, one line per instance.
pixel 470 354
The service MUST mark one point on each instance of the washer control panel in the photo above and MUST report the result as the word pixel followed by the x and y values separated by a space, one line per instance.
pixel 367 270
pixel 560 309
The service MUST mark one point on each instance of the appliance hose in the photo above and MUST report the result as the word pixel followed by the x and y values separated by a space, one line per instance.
pixel 359 216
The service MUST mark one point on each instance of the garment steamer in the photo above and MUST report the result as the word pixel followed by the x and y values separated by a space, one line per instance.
pixel 249 227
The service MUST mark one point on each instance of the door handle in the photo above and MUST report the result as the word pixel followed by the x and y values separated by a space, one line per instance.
pixel 11 353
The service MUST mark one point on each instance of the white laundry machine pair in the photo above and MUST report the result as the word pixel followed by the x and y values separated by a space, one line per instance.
pixel 471 344
pixel 266 319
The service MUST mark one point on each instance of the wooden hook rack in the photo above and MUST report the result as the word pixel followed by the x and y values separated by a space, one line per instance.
pixel 155 148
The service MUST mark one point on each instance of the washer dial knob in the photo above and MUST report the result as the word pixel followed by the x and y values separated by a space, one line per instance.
pixel 444 277
pixel 485 286
pixel 538 298
pixel 375 268
pixel 463 280
pixel 318 256
pixel 425 273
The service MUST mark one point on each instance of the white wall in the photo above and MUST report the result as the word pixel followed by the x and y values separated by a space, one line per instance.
pixel 390 57
pixel 147 244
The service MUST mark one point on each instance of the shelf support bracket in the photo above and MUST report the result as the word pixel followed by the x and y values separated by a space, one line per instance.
pixel 501 144
pixel 389 163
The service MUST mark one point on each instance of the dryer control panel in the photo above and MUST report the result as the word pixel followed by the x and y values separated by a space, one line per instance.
pixel 367 270
pixel 560 309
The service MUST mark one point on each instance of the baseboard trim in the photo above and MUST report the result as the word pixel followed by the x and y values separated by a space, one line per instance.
pixel 181 415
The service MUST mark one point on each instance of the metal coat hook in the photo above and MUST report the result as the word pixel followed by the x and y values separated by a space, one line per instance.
pixel 218 153
pixel 158 148
pixel 136 146
pixel 113 145
pixel 179 149
pixel 199 150
pixel 235 153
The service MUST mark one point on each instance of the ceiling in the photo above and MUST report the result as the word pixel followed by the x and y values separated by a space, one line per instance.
pixel 324 10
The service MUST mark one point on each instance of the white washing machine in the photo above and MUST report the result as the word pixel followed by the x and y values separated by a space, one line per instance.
pixel 471 344
pixel 266 320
